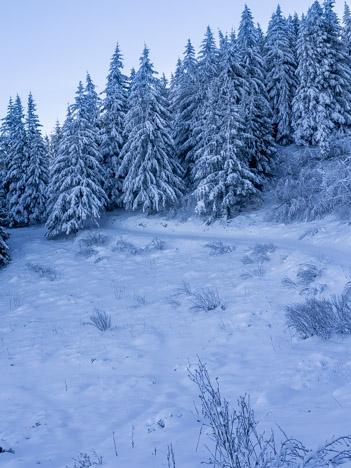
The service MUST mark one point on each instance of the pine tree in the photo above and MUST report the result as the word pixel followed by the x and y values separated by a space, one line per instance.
pixel 322 102
pixel 17 165
pixel 261 39
pixel 111 124
pixel 35 175
pixel 258 138
pixel 7 123
pixel 4 248
pixel 207 70
pixel 184 105
pixel 76 192
pixel 221 172
pixel 151 176
pixel 281 81
pixel 55 140
pixel 346 31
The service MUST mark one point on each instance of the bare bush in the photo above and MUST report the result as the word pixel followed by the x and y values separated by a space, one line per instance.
pixel 314 317
pixel 309 233
pixel 87 461
pixel 185 289
pixel 259 254
pixel 307 273
pixel 124 246
pixel 238 443
pixel 206 299
pixel 342 308
pixel 156 244
pixel 140 300
pixel 289 283
pixel 43 271
pixel 218 248
pixel 88 243
pixel 322 317
pixel 94 238
pixel 100 319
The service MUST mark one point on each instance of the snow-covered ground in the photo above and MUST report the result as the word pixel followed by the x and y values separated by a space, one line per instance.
pixel 66 387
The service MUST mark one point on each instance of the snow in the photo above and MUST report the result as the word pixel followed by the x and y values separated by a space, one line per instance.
pixel 67 388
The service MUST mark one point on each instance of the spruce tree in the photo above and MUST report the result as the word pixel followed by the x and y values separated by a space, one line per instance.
pixel 35 174
pixel 55 140
pixel 281 81
pixel 6 125
pixel 346 30
pixel 322 102
pixel 151 177
pixel 76 192
pixel 184 105
pixel 111 124
pixel 221 172
pixel 258 138
pixel 207 70
pixel 17 165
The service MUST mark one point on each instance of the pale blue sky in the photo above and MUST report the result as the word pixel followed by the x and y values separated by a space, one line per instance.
pixel 47 46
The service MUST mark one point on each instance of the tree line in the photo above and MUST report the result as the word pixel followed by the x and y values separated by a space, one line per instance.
pixel 210 135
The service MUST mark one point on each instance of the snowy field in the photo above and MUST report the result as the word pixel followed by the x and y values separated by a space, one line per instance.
pixel 67 387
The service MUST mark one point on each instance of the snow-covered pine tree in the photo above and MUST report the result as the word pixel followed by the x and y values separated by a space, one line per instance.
pixel 4 248
pixel 293 23
pixel 55 140
pixel 258 138
pixel 305 102
pixel 261 39
pixel 184 105
pixel 35 174
pixel 130 80
pixel 346 30
pixel 221 172
pixel 336 64
pixel 207 70
pixel 281 80
pixel 322 102
pixel 111 123
pixel 7 122
pixel 151 175
pixel 76 192
pixel 17 165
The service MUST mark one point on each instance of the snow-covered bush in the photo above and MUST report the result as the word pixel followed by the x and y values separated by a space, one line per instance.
pixel 322 317
pixel 100 319
pixel 43 271
pixel 237 441
pixel 218 248
pixel 308 187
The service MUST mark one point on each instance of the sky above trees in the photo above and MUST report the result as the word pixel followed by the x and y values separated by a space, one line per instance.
pixel 47 47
